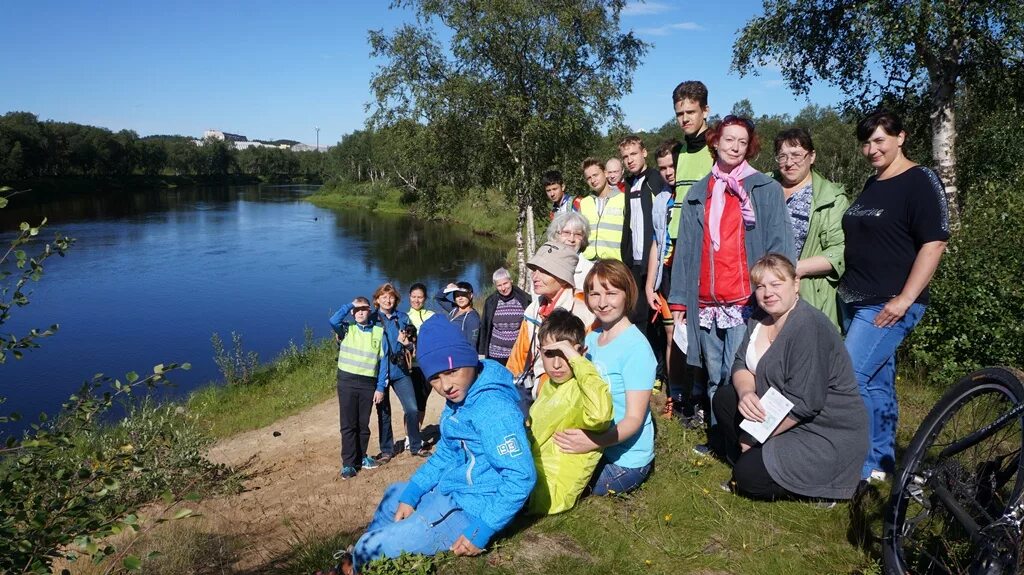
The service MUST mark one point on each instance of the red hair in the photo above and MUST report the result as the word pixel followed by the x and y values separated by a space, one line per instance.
pixel 715 132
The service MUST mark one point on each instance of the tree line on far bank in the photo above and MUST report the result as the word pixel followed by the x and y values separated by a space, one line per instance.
pixel 31 148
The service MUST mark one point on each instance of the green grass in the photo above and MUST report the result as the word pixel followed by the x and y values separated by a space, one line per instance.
pixel 484 212
pixel 298 379
pixel 680 521
pixel 369 197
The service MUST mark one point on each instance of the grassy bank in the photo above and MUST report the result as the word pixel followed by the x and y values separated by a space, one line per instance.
pixel 484 212
pixel 299 378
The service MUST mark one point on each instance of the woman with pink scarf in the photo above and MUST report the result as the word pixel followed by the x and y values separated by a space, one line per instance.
pixel 728 221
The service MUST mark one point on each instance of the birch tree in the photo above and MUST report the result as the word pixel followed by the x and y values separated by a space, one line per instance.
pixel 527 81
pixel 872 49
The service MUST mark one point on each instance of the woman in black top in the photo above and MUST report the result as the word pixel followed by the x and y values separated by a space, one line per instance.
pixel 896 232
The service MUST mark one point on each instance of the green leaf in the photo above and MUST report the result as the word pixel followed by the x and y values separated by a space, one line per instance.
pixel 158 368
pixel 3 202
pixel 182 513
pixel 132 563
pixel 131 376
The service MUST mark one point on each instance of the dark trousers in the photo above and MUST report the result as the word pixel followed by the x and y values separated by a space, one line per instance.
pixel 421 387
pixel 684 384
pixel 355 401
pixel 641 316
pixel 749 474
pixel 385 435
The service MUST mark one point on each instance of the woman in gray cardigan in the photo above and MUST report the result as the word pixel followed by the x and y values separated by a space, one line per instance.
pixel 818 448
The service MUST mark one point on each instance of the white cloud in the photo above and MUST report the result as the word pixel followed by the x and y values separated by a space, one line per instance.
pixel 668 29
pixel 636 8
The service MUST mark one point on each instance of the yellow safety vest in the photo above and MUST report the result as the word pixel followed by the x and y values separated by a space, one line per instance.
pixel 359 351
pixel 605 227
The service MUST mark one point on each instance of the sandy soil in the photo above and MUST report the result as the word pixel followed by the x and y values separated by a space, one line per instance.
pixel 294 492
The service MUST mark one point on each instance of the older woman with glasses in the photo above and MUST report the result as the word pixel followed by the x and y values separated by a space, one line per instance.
pixel 728 221
pixel 816 207
pixel 573 230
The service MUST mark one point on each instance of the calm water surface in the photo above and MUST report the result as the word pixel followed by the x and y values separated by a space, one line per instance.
pixel 153 274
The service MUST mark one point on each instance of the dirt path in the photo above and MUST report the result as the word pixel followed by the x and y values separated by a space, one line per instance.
pixel 294 492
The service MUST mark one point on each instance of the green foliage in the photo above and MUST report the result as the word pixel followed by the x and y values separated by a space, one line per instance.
pixel 915 45
pixel 974 318
pixel 236 365
pixel 33 149
pixel 409 564
pixel 68 484
pixel 294 381
pixel 500 113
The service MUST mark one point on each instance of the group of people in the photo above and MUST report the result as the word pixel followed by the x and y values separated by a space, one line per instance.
pixel 726 283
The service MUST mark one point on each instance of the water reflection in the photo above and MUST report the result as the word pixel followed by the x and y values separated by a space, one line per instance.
pixel 153 274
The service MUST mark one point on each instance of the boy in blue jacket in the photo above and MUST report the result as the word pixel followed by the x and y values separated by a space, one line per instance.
pixel 482 471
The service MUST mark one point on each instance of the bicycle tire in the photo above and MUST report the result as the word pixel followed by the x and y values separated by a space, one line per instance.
pixel 985 486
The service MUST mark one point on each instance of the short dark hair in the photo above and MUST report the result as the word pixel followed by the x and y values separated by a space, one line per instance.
pixel 691 90
pixel 632 139
pixel 794 137
pixel 562 325
pixel 668 148
pixel 889 122
pixel 552 177
pixel 592 161
pixel 418 286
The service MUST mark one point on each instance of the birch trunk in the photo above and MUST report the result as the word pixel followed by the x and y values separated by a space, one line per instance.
pixel 520 248
pixel 531 227
pixel 944 147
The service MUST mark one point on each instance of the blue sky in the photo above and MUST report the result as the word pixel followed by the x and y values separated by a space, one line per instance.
pixel 271 69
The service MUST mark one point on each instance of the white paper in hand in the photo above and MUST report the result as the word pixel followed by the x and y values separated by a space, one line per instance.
pixel 679 334
pixel 776 407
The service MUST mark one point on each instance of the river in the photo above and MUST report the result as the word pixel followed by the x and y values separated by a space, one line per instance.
pixel 154 273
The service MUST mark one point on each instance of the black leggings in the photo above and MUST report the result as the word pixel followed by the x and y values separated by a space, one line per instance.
pixel 421 387
pixel 749 474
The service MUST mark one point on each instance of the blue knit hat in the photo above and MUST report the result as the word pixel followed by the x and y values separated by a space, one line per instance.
pixel 442 347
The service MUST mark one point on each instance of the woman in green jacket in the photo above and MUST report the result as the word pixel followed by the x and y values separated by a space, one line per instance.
pixel 816 207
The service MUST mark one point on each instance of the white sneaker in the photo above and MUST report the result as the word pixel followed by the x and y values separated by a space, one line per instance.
pixel 878 476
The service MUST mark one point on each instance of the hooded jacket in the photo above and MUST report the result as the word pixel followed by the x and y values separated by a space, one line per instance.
pixel 582 402
pixel 482 460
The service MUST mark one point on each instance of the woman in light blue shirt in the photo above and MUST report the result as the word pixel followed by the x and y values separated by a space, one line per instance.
pixel 625 360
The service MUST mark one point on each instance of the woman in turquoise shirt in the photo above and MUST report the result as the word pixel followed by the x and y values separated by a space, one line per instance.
pixel 625 360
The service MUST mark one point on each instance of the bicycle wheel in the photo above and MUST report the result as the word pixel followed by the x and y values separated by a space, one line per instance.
pixel 958 476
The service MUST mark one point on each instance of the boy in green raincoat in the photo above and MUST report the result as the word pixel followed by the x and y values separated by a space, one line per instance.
pixel 573 397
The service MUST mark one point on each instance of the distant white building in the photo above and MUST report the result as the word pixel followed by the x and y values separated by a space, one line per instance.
pixel 224 136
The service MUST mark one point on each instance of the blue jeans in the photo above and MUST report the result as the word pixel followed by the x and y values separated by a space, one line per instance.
pixel 431 529
pixel 718 346
pixel 610 479
pixel 873 352
pixel 406 391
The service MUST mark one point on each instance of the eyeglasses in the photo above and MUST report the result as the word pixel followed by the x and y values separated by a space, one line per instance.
pixel 731 119
pixel 795 158
pixel 570 234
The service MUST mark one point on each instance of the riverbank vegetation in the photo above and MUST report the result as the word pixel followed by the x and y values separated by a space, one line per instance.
pixel 34 152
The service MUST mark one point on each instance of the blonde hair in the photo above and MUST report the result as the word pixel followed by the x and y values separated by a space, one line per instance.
pixel 774 263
